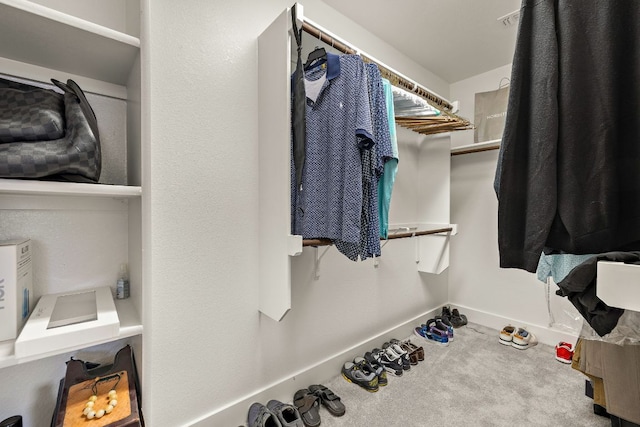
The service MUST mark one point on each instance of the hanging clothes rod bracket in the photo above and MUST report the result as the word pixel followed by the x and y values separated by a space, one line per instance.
pixel 318 258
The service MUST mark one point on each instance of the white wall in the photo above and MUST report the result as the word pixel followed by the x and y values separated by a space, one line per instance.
pixel 492 296
pixel 208 345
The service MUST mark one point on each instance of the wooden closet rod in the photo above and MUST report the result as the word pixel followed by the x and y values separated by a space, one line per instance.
pixel 394 77
pixel 327 242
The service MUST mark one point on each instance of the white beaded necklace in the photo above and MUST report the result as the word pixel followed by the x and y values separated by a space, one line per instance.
pixel 90 410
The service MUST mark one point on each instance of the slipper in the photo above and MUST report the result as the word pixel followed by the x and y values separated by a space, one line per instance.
pixel 457 320
pixel 329 399
pixel 308 407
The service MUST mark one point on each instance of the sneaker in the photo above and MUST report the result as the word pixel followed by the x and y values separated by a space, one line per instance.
pixel 288 415
pixel 523 339
pixel 506 335
pixel 457 320
pixel 373 366
pixel 564 352
pixel 365 379
pixel 390 364
pixel 445 325
pixel 446 312
pixel 397 352
pixel 412 353
pixel 432 334
pixel 261 416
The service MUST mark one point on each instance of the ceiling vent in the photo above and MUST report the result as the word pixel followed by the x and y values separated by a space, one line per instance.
pixel 510 19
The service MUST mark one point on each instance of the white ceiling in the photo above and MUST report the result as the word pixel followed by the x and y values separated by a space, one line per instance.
pixel 454 39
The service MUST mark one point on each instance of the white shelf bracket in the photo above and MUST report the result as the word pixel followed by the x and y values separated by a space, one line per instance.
pixel 316 264
pixel 417 243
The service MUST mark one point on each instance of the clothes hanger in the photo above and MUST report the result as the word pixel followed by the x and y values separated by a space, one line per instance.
pixel 318 54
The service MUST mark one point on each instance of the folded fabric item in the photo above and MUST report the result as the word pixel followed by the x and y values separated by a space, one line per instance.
pixel 580 287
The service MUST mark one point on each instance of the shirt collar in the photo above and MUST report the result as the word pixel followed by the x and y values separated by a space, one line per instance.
pixel 333 66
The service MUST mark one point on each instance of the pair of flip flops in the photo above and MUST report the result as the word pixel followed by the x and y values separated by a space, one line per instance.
pixel 308 401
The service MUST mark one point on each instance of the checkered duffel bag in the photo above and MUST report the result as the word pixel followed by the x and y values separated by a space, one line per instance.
pixel 44 134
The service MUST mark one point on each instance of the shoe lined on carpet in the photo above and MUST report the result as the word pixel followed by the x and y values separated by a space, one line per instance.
pixel 412 351
pixel 564 352
pixel 287 414
pixel 431 334
pixel 329 399
pixel 381 373
pixel 457 320
pixel 261 416
pixel 506 335
pixel 354 374
pixel 396 352
pixel 440 324
pixel 523 339
pixel 388 362
pixel 308 406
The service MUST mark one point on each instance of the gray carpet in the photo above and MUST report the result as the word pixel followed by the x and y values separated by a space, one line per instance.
pixel 475 381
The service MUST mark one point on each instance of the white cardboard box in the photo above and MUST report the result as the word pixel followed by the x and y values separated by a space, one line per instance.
pixel 69 320
pixel 16 286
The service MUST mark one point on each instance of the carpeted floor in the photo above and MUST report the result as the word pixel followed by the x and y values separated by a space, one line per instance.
pixel 475 381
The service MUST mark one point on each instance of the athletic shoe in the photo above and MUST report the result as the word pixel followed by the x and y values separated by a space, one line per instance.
pixel 373 366
pixel 523 339
pixel 432 334
pixel 412 351
pixel 445 326
pixel 397 352
pixel 288 415
pixel 506 335
pixel 564 352
pixel 365 379
pixel 261 416
pixel 391 365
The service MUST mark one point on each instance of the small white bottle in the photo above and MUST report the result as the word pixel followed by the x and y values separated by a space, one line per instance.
pixel 122 285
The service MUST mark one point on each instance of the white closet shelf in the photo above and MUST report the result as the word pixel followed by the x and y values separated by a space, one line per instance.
pixel 477 147
pixel 130 325
pixel 617 284
pixel 29 31
pixel 27 187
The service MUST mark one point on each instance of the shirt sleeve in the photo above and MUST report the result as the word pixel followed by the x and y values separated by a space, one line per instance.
pixel 364 127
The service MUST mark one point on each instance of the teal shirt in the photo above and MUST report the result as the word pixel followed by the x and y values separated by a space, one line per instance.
pixel 388 177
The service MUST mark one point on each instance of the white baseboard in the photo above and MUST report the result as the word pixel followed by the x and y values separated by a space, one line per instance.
pixel 545 334
pixel 235 413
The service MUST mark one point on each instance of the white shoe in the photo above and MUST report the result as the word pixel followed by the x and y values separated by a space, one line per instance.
pixel 523 339
pixel 506 335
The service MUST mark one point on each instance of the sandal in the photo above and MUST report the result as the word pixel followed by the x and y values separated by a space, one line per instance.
pixel 329 399
pixel 308 407
pixel 419 351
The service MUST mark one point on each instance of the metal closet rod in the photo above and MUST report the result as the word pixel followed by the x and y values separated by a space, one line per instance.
pixel 392 76
pixel 327 242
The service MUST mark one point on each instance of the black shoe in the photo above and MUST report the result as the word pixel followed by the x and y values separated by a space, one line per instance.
pixel 395 351
pixel 393 366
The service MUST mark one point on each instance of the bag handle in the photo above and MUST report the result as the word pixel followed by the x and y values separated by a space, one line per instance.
pixel 73 88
